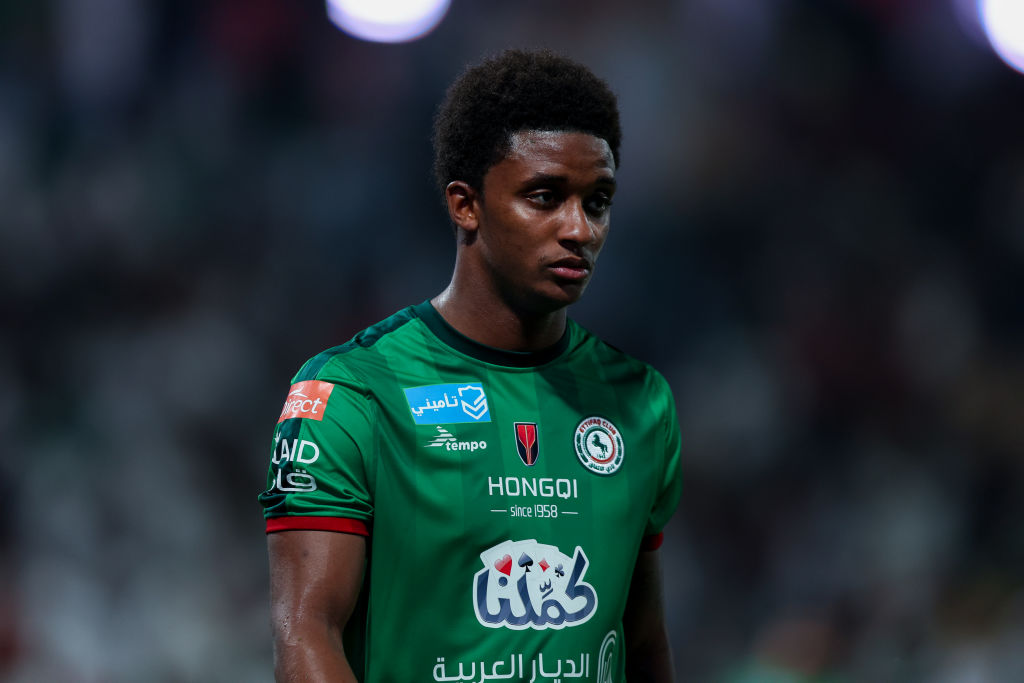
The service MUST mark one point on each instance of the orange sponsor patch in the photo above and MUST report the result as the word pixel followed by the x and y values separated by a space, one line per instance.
pixel 306 399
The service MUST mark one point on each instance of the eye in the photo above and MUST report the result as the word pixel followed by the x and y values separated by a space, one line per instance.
pixel 542 197
pixel 599 203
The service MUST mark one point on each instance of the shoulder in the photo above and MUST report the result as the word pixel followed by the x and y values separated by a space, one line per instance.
pixel 617 365
pixel 364 353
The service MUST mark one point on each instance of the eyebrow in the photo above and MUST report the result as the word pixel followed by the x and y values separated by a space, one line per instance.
pixel 551 179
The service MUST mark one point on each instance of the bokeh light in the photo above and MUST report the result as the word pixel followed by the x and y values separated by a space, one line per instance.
pixel 1004 26
pixel 387 21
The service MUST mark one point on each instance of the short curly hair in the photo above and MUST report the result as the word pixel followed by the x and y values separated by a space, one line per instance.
pixel 514 91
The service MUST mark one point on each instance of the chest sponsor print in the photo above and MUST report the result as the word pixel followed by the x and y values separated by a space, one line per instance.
pixel 542 666
pixel 533 487
pixel 599 445
pixel 537 668
pixel 448 403
pixel 526 584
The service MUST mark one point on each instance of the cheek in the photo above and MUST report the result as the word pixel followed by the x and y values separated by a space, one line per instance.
pixel 519 238
pixel 600 237
pixel 509 248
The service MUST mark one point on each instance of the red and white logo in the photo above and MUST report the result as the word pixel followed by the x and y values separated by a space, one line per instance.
pixel 306 399
pixel 526 442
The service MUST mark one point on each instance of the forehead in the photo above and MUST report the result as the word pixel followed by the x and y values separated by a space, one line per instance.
pixel 557 153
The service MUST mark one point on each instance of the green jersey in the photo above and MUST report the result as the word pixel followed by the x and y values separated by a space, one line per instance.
pixel 505 496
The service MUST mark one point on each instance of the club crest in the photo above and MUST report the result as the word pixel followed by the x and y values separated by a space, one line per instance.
pixel 599 445
pixel 527 443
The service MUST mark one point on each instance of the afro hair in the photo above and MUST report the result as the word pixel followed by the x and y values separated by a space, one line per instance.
pixel 514 91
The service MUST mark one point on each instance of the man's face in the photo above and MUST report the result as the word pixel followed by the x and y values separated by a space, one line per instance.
pixel 543 217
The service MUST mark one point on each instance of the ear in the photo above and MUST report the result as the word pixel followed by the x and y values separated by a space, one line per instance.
pixel 462 205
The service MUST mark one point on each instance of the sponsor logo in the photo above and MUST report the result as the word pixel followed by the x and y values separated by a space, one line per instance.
pixel 307 400
pixel 544 487
pixel 293 455
pixel 526 584
pixel 447 440
pixel 295 482
pixel 599 445
pixel 538 487
pixel 517 669
pixel 295 450
pixel 448 403
pixel 606 658
pixel 526 442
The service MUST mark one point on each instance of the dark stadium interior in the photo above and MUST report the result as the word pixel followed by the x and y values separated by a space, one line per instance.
pixel 818 238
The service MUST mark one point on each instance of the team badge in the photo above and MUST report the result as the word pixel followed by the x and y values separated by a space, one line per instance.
pixel 599 445
pixel 526 442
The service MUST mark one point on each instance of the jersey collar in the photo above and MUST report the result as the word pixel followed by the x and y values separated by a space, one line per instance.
pixel 488 354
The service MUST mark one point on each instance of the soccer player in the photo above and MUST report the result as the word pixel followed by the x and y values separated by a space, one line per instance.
pixel 475 488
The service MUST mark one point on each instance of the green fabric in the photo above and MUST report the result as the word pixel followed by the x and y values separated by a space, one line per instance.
pixel 443 518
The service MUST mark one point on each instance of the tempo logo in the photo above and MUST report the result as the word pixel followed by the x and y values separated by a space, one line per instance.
pixel 307 400
pixel 447 440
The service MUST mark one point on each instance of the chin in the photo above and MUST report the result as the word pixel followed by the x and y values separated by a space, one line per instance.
pixel 563 296
pixel 544 298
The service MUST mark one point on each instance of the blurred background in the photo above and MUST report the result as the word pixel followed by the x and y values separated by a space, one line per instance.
pixel 818 238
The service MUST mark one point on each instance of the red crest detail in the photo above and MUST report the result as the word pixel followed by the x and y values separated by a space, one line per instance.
pixel 526 442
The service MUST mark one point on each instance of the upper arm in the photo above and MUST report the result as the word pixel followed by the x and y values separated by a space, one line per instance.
pixel 668 483
pixel 648 656
pixel 315 579
pixel 314 575
pixel 645 612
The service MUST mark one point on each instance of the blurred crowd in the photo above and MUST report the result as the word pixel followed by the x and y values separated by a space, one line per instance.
pixel 818 238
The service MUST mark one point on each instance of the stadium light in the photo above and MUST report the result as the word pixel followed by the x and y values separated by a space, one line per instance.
pixel 387 21
pixel 1003 21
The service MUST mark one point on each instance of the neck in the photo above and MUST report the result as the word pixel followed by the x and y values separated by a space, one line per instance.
pixel 487 318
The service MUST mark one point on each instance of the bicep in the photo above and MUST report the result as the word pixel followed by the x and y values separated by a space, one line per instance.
pixel 315 579
pixel 644 608
pixel 648 657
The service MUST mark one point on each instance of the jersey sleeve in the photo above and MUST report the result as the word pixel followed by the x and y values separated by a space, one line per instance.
pixel 670 481
pixel 322 443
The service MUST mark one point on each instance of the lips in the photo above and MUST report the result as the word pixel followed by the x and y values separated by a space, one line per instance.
pixel 571 268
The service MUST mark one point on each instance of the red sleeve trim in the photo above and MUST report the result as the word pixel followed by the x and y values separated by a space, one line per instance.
pixel 652 542
pixel 342 524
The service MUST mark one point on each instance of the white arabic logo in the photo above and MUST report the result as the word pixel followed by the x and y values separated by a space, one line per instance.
pixel 448 402
pixel 516 669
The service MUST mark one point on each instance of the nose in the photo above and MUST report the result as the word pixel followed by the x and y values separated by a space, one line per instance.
pixel 577 226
